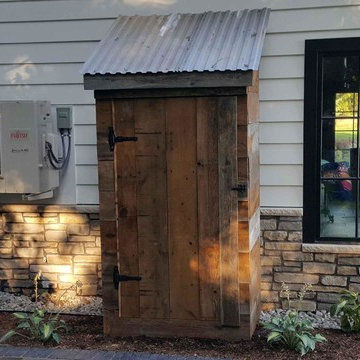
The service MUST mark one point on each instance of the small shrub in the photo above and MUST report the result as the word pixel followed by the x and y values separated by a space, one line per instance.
pixel 349 310
pixel 37 326
pixel 289 330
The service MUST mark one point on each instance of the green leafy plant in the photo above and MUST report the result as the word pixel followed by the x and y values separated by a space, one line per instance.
pixel 348 308
pixel 290 330
pixel 38 325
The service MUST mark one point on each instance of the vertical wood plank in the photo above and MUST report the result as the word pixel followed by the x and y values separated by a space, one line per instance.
pixel 254 203
pixel 104 114
pixel 228 216
pixel 254 169
pixel 182 208
pixel 108 260
pixel 152 208
pixel 125 175
pixel 208 207
pixel 104 118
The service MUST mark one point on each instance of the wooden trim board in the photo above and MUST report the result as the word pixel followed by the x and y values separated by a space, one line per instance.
pixel 169 93
pixel 169 80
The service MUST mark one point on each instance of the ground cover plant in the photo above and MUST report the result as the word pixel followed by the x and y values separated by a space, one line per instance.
pixel 39 326
pixel 289 330
pixel 348 308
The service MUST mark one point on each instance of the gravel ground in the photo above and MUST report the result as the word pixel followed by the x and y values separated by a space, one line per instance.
pixel 72 305
pixel 320 319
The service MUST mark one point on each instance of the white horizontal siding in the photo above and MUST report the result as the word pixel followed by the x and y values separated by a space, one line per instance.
pixel 58 94
pixel 281 196
pixel 281 175
pixel 44 43
pixel 85 155
pixel 281 133
pixel 87 194
pixel 280 67
pixel 46 53
pixel 88 9
pixel 319 19
pixel 53 31
pixel 282 154
pixel 87 175
pixel 280 44
pixel 286 111
pixel 84 115
pixel 281 89
pixel 85 134
pixel 32 74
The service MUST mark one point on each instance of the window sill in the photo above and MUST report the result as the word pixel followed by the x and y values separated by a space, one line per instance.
pixel 331 248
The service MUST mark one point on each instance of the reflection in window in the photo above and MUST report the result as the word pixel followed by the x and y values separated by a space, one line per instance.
pixel 338 209
pixel 346 106
pixel 339 148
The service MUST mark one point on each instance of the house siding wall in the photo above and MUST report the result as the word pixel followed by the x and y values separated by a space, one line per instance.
pixel 44 43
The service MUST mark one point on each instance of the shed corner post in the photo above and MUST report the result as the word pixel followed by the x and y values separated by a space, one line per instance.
pixel 249 207
pixel 108 228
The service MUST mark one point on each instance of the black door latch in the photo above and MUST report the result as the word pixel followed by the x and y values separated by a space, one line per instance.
pixel 241 189
pixel 120 278
pixel 113 139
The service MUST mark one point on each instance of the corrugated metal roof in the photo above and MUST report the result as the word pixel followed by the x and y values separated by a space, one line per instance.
pixel 211 41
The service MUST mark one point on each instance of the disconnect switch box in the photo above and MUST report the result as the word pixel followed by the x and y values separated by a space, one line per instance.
pixel 63 115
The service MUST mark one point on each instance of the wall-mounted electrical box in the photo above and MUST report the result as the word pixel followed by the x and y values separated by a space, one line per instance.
pixel 25 128
pixel 63 118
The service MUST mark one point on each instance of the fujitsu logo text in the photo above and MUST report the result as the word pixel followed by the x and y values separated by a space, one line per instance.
pixel 19 135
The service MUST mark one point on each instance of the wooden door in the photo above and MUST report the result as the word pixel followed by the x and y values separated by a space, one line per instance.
pixel 177 216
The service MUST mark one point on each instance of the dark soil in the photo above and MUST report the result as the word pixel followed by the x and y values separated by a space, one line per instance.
pixel 86 333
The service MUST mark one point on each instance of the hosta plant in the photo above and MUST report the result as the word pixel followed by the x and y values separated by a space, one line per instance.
pixel 38 325
pixel 292 332
pixel 348 308
pixel 289 330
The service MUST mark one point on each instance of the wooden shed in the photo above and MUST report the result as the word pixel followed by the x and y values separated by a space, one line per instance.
pixel 177 131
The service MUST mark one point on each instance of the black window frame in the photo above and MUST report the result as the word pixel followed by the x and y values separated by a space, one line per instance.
pixel 314 51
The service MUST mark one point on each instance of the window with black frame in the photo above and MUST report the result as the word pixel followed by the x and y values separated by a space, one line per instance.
pixel 331 140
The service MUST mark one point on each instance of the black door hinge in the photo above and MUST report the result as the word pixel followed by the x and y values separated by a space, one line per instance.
pixel 113 139
pixel 120 278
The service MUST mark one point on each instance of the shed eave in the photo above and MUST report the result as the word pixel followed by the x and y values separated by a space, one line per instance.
pixel 191 80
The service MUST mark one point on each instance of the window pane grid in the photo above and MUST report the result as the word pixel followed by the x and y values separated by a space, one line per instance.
pixel 339 166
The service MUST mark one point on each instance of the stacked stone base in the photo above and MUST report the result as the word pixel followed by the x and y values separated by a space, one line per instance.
pixel 284 258
pixel 61 242
pixel 64 244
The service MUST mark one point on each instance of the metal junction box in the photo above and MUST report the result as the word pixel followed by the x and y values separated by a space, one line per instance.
pixel 25 127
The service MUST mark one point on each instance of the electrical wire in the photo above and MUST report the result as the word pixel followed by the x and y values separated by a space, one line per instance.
pixel 61 162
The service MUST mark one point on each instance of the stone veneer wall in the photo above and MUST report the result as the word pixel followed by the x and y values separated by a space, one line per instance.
pixel 284 258
pixel 62 242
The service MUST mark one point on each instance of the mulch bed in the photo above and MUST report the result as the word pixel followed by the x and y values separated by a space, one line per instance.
pixel 86 333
